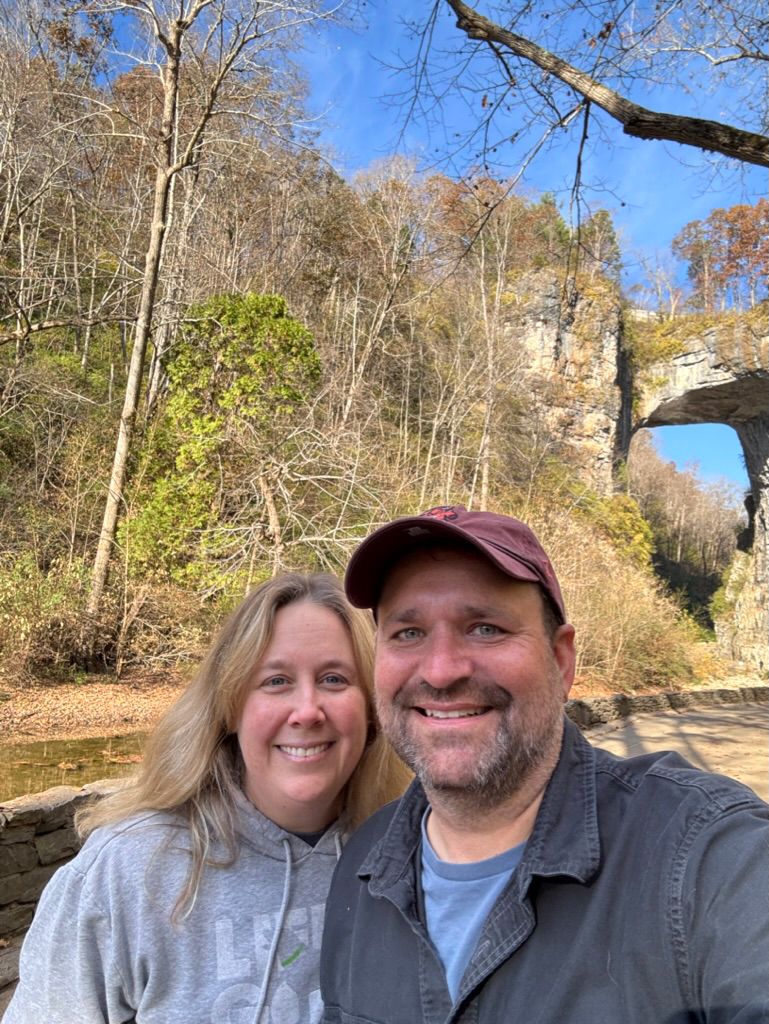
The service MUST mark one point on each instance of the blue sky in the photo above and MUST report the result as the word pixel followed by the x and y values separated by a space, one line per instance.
pixel 657 189
pixel 713 446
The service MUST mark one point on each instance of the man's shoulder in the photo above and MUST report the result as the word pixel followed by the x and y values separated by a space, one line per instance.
pixel 671 795
pixel 667 771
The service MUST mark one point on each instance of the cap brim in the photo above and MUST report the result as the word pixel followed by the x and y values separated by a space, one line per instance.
pixel 373 559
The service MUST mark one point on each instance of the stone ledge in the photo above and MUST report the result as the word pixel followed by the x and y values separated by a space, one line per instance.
pixel 590 712
pixel 5 996
pixel 42 809
pixel 9 961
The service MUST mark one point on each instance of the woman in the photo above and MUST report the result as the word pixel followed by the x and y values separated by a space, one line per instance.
pixel 200 896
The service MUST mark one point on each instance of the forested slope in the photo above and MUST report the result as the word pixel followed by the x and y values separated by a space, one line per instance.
pixel 321 355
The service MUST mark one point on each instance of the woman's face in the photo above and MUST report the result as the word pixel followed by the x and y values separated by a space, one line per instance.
pixel 303 726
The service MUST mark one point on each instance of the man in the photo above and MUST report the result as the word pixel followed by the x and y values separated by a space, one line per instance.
pixel 527 876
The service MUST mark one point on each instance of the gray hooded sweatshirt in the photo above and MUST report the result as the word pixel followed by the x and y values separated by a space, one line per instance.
pixel 102 947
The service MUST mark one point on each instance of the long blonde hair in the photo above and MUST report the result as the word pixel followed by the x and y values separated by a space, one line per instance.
pixel 192 763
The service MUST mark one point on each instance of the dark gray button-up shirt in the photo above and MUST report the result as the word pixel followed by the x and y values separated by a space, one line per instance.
pixel 642 898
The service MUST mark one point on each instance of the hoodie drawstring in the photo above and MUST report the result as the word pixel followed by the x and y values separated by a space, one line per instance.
pixel 276 933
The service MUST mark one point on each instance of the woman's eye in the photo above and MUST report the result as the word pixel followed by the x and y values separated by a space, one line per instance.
pixel 334 680
pixel 275 682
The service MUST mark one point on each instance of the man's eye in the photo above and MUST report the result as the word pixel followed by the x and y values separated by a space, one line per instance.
pixel 408 634
pixel 486 629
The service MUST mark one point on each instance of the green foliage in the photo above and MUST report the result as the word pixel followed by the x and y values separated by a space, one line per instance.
pixel 619 518
pixel 239 373
pixel 720 605
pixel 694 525
pixel 239 471
pixel 241 356
pixel 616 517
pixel 653 341
pixel 550 232
pixel 56 430
pixel 631 635
pixel 179 506
pixel 42 616
pixel 600 245
pixel 724 599
pixel 658 653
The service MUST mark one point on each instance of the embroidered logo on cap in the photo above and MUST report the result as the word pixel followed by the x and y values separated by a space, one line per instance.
pixel 440 512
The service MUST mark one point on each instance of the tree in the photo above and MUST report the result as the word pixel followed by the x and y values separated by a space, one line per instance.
pixel 600 246
pixel 660 289
pixel 694 244
pixel 555 63
pixel 746 266
pixel 46 169
pixel 213 57
pixel 241 372
pixel 727 256
pixel 694 524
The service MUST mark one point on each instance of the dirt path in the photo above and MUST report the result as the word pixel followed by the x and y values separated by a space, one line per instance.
pixel 92 708
pixel 731 740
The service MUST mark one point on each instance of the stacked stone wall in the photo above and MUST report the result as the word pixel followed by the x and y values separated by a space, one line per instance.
pixel 37 836
pixel 596 711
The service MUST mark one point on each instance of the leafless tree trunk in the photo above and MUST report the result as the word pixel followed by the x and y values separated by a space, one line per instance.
pixel 163 176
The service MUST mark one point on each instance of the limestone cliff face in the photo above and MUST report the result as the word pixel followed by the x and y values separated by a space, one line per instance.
pixel 722 376
pixel 578 374
pixel 746 635
pixel 742 631
pixel 576 370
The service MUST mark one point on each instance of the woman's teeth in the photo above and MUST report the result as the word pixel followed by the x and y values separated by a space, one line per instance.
pixel 305 751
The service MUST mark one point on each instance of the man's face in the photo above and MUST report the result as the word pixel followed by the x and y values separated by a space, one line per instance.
pixel 470 690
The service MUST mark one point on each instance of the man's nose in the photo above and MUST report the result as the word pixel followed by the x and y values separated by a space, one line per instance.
pixel 308 708
pixel 445 661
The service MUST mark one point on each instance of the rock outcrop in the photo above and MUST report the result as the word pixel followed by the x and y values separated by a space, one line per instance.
pixel 580 374
pixel 577 371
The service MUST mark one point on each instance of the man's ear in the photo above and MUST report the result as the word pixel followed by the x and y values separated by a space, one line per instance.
pixel 565 656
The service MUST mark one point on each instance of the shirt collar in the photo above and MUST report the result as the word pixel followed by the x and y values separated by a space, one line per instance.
pixel 564 841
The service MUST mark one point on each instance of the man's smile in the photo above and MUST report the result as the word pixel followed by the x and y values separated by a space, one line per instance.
pixel 464 713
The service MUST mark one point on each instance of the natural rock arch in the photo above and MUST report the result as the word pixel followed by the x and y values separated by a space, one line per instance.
pixel 585 387
pixel 722 376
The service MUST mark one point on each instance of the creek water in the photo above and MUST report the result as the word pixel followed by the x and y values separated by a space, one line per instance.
pixel 33 767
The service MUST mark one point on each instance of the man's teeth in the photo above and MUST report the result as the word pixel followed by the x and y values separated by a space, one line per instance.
pixel 305 751
pixel 432 713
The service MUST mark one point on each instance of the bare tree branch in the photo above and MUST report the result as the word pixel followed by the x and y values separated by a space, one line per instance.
pixel 637 121
pixel 49 325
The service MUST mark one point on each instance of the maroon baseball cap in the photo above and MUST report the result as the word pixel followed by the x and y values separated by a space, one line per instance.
pixel 508 543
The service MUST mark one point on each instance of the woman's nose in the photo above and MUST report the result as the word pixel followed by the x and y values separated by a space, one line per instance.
pixel 308 709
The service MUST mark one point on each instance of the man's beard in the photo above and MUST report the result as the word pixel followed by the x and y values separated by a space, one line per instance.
pixel 526 743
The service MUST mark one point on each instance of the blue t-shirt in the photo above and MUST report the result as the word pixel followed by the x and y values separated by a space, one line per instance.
pixel 458 898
